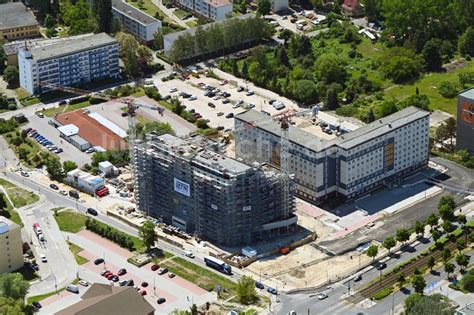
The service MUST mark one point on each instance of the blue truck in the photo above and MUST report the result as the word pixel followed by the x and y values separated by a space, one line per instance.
pixel 218 265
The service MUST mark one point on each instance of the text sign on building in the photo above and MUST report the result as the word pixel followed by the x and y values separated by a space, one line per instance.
pixel 247 208
pixel 182 187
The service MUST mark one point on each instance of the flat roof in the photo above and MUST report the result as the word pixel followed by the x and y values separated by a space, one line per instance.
pixel 132 12
pixel 80 141
pixel 469 93
pixel 345 141
pixel 68 130
pixel 218 3
pixel 109 125
pixel 175 35
pixel 72 45
pixel 14 15
pixel 12 48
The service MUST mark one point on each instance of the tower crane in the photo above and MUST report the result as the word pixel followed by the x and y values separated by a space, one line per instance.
pixel 132 106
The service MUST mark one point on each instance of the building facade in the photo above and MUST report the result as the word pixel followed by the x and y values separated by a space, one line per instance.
pixel 11 246
pixel 135 21
pixel 377 154
pixel 69 63
pixel 465 121
pixel 17 22
pixel 215 10
pixel 203 192
pixel 279 5
pixel 88 183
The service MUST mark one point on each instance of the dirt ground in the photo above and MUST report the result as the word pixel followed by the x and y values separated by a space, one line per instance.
pixel 315 225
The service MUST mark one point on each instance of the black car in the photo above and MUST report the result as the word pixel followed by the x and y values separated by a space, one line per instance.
pixel 74 194
pixel 259 285
pixel 229 115
pixel 122 271
pixel 161 300
pixel 62 103
pixel 92 211
pixel 124 114
pixel 115 278
pixel 240 89
pixel 37 304
pixel 130 283
pixel 211 105
pixel 381 266
pixel 53 186
pixel 98 261
pixel 225 101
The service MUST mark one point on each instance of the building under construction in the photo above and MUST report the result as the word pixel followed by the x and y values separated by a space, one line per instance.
pixel 187 183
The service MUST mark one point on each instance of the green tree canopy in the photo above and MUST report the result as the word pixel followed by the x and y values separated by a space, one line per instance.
pixel 389 243
pixel 11 76
pixel 264 7
pixel 466 42
pixel 148 234
pixel 418 283
pixel 435 304
pixel 13 285
pixel 69 166
pixel 54 168
pixel 245 289
pixel 372 251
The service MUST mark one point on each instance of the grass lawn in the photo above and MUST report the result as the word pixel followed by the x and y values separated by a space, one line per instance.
pixel 429 85
pixel 166 255
pixel 139 93
pixel 30 145
pixel 76 250
pixel 27 273
pixel 19 197
pixel 181 14
pixel 22 93
pixel 70 221
pixel 6 210
pixel 51 112
pixel 200 276
pixel 192 23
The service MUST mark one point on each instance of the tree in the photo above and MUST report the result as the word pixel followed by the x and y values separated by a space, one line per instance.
pixel 23 154
pixel 467 281
pixel 448 227
pixel 54 168
pixel 436 234
pixel 373 9
pixel 431 55
pixel 3 59
pixel 448 268
pixel 400 64
pixel 11 76
pixel 461 219
pixel 401 280
pixel 49 21
pixel 194 309
pixel 332 102
pixel 330 68
pixel 435 304
pixel 417 100
pixel 448 201
pixel 104 15
pixel 419 228
pixel 462 260
pixel 418 283
pixel 431 263
pixel 466 42
pixel 451 128
pixel 403 235
pixel 264 7
pixel 446 254
pixel 148 234
pixel 245 290
pixel 13 285
pixel 372 251
pixel 370 116
pixel 245 70
pixel 389 243
pixel 387 108
pixel 448 89
pixel 78 16
pixel 69 166
pixel 306 91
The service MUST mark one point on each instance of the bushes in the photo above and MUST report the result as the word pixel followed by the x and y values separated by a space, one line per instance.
pixel 7 125
pixel 95 100
pixel 110 233
pixel 383 293
pixel 467 281
pixel 79 100
pixel 448 89
pixel 153 93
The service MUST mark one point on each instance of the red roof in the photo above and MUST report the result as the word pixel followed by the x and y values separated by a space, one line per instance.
pixel 350 4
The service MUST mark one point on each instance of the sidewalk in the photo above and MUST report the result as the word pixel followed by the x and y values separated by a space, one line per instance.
pixel 169 13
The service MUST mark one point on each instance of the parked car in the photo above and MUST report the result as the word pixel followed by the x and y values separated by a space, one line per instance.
pixel 74 194
pixel 122 271
pixel 193 98
pixel 162 271
pixel 143 293
pixel 220 114
pixel 110 276
pixel 155 267
pixel 63 192
pixel 322 296
pixel 250 93
pixel 271 290
pixel 90 150
pixel 43 258
pixel 189 254
pixel 259 285
pixel 124 114
pixel 98 261
pixel 40 114
pixel 92 211
pixel 240 89
pixel 225 101
pixel 72 288
pixel 37 304
pixel 144 284
pixel 161 300
pixel 251 105
pixel 115 278
pixel 224 82
pixel 219 128
pixel 172 90
pixel 123 282
pixel 357 278
pixel 171 275
pixel 24 174
pixel 84 283
pixel 229 115
pixel 381 266
pixel 130 283
pixel 211 105
pixel 58 150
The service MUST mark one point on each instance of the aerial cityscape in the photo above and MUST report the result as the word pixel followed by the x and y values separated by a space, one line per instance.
pixel 236 157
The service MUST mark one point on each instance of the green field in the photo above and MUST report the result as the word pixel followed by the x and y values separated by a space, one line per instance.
pixel 70 221
pixel 429 85
pixel 181 14
pixel 6 210
pixel 51 112
pixel 200 276
pixel 76 250
pixel 192 23
pixel 19 197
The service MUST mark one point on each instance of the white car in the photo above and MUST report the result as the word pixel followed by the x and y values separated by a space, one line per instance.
pixel 193 98
pixel 84 283
pixel 250 93
pixel 172 90
pixel 63 192
pixel 189 254
pixel 240 102
pixel 43 258
pixel 25 174
pixel 322 296
pixel 236 106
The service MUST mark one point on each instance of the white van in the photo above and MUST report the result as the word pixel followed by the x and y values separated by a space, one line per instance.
pixel 72 288
pixel 189 254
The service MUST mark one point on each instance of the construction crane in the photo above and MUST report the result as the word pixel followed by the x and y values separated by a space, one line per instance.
pixel 132 106
pixel 284 118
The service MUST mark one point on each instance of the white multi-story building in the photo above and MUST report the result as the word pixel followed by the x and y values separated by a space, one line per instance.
pixel 350 165
pixel 135 21
pixel 11 246
pixel 216 10
pixel 68 63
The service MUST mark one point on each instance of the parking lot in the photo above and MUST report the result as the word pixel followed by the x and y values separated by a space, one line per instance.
pixel 216 114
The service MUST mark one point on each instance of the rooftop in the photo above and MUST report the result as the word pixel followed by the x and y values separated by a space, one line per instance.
pixel 218 3
pixel 346 141
pixel 68 130
pixel 72 45
pixel 14 15
pixel 469 93
pixel 6 225
pixel 13 47
pixel 175 35
pixel 132 12
pixel 103 299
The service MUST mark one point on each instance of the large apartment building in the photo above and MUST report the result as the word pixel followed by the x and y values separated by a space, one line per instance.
pixel 141 25
pixel 17 22
pixel 69 63
pixel 216 10
pixel 11 246
pixel 188 185
pixel 350 165
pixel 465 121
